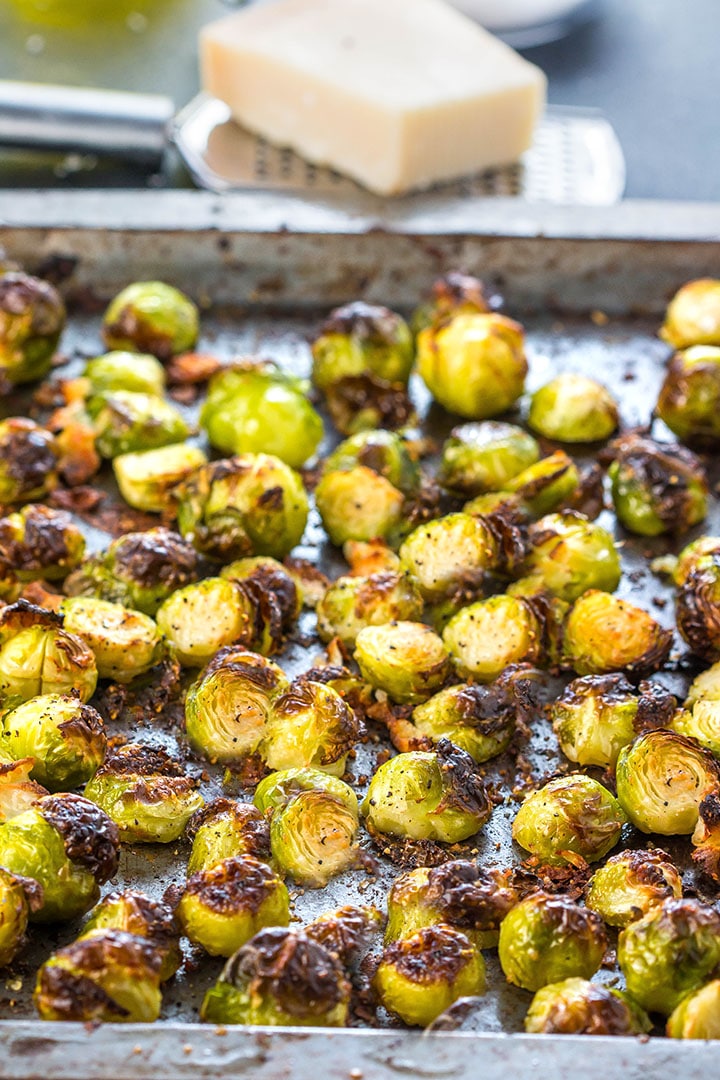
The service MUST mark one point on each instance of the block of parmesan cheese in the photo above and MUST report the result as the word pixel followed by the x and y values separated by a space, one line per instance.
pixel 398 94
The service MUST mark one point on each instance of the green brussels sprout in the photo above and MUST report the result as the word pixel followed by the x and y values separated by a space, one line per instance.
pixel 547 485
pixel 64 737
pixel 597 715
pixel 568 555
pixel 225 905
pixel 453 294
pixel 460 894
pixel 362 358
pixel 573 408
pixel 474 364
pixel 448 554
pixel 309 725
pixel 698 1015
pixel 151 317
pixel 385 452
pixel 125 643
pixel 545 939
pixel 689 401
pixel 32 317
pixel 359 504
pixel 578 1007
pixel 17 791
pixel 28 461
pixel 486 637
pixel 126 422
pixel 108 975
pixel 140 373
pixel 572 819
pixel 37 542
pixel 704 687
pixel 657 489
pixel 405 659
pixel 697 608
pixel 706 836
pixel 436 795
pixel 254 408
pixel 37 656
pixel 605 634
pixel 480 720
pixel 692 556
pixel 146 793
pixel 203 617
pixel 422 975
pixel 147 478
pixel 661 780
pixel 69 846
pixel 223 829
pixel 669 953
pixel 352 603
pixel 280 978
pixel 702 723
pixel 253 504
pixel 482 457
pixel 18 896
pixel 693 315
pixel 270 576
pixel 228 707
pixel 631 884
pixel 135 913
pixel 345 931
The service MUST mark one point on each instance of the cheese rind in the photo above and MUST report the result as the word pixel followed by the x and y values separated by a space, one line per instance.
pixel 398 94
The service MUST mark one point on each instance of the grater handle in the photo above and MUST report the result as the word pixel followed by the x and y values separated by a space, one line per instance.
pixel 38 116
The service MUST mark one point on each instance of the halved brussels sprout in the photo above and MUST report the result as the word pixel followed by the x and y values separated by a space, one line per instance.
pixel 359 504
pixel 28 461
pixel 277 789
pixel 253 504
pixel 420 976
pixel 280 978
pixel 137 372
pixel 691 556
pixel 478 719
pixel 151 317
pixel 693 315
pixel 631 884
pixel 37 656
pixel 346 931
pixel 125 643
pixel 227 709
pixel 449 554
pixel 147 478
pixel 64 737
pixel 482 457
pixel 223 829
pixel 269 576
pixel 428 796
pixel 698 1015
pixel 545 939
pixel 605 634
pixel 32 317
pixel 485 638
pixel 697 608
pixel 309 725
pixel 138 914
pixel 146 793
pixel 706 836
pixel 254 407
pixel 573 408
pixel 405 659
pixel 661 780
pixel 202 618
pixel 567 555
pixel 474 364
pixel 702 723
pixel 17 791
pixel 37 542
pixel 548 484
pixel 126 422
pixel 69 846
pixel 18 896
pixel 352 603
pixel 705 686
pixel 453 294
pixel 387 453
pixel 689 401
pixel 572 819
pixel 107 975
pixel 657 488
pixel 669 953
pixel 578 1007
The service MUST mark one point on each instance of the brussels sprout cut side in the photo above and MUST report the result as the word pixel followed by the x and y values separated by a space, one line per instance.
pixel 546 939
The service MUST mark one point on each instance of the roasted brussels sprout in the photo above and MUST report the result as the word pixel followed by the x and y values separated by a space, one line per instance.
pixel 428 796
pixel 254 408
pixel 385 452
pixel 596 716
pixel 309 725
pixel 474 364
pixel 706 836
pixel 697 608
pixel 547 485
pixel 146 793
pixel 693 315
pixel 140 373
pixel 17 791
pixel 704 687
pixel 605 634
pixel 270 577
pixel 661 780
pixel 657 489
pixel 449 554
pixel 107 975
pixel 147 479
pixel 545 939
pixel 28 461
pixel 420 976
pixel 18 896
pixel 572 819
pixel 461 894
pixel 277 789
pixel 578 1007
pixel 281 977
pixel 453 294
pixel 574 409
pixel 405 659
pixel 37 542
pixel 692 555
pixel 126 422
pixel 689 401
pixel 125 643
pixel 484 638
pixel 567 555
pixel 700 722
pixel 65 739
pixel 483 457
pixel 253 504
pixel 345 931
pixel 32 317
pixel 69 846
pixel 669 953
pixel 478 719
pixel 631 884
pixel 223 829
pixel 352 603
pixel 223 906
pixel 312 836
pixel 202 618
pixel 227 709
pixel 137 914
pixel 698 1015
pixel 151 317
pixel 37 656
pixel 362 358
